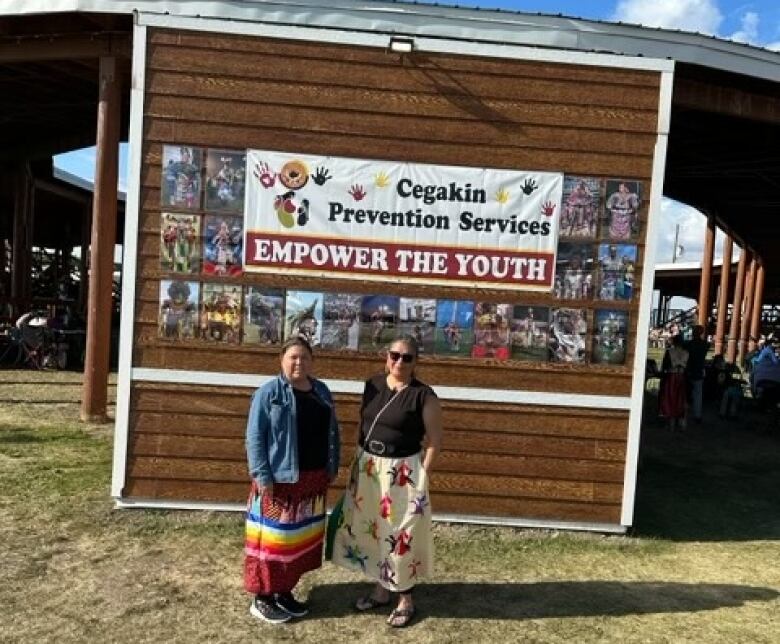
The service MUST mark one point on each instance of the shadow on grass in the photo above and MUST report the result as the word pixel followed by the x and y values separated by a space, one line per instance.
pixel 12 435
pixel 549 599
pixel 716 481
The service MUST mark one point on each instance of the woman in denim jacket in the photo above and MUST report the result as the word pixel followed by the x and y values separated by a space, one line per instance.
pixel 292 446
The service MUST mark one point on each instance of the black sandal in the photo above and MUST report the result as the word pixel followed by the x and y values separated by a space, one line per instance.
pixel 368 602
pixel 403 615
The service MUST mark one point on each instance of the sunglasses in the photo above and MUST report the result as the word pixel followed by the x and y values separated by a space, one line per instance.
pixel 397 355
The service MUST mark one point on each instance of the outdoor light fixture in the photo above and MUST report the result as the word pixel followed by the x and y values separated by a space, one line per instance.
pixel 401 45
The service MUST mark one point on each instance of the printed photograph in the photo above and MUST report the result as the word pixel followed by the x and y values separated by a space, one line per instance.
pixel 621 209
pixel 617 263
pixel 491 330
pixel 178 309
pixel 580 212
pixel 454 328
pixel 529 333
pixel 220 313
pixel 263 315
pixel 378 321
pixel 574 271
pixel 303 316
pixel 225 180
pixel 341 321
pixel 179 242
pixel 181 177
pixel 418 320
pixel 610 337
pixel 223 244
pixel 568 331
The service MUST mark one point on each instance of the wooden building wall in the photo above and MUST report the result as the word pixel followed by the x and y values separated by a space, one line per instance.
pixel 214 90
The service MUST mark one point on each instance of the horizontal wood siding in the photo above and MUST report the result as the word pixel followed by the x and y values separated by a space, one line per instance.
pixel 183 435
pixel 213 90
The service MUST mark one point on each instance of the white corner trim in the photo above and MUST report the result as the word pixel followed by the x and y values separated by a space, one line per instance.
pixel 169 504
pixel 380 39
pixel 121 429
pixel 519 522
pixel 509 522
pixel 470 394
pixel 645 302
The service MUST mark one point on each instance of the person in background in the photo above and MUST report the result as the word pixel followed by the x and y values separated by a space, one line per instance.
pixel 292 447
pixel 386 529
pixel 697 348
pixel 672 392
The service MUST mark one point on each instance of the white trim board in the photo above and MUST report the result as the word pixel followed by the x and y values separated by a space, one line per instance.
pixel 470 394
pixel 129 266
pixel 645 300
pixel 508 522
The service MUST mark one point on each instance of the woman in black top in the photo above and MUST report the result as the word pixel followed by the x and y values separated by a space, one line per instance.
pixel 386 530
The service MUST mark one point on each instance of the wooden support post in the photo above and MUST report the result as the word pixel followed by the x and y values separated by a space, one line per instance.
pixel 747 305
pixel 94 395
pixel 723 295
pixel 706 272
pixel 736 307
pixel 19 272
pixel 755 310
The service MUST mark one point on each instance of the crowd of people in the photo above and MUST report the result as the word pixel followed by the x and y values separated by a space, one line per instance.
pixel 687 378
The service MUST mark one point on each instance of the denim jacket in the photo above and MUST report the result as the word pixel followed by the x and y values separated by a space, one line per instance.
pixel 271 432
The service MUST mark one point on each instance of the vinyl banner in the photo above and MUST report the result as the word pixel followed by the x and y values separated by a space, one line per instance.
pixel 388 221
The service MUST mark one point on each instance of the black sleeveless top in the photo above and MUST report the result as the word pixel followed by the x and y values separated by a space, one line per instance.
pixel 313 419
pixel 400 429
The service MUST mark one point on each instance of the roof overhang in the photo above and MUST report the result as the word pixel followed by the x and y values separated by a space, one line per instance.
pixel 433 21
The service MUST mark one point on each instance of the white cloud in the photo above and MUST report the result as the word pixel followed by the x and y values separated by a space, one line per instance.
pixel 748 31
pixel 774 46
pixel 689 15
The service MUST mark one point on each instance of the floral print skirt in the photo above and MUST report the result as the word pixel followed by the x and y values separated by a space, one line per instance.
pixel 385 531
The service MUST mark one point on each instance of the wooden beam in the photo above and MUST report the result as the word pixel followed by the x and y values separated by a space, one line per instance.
pixel 723 294
pixel 750 282
pixel 709 97
pixel 70 194
pixel 736 307
pixel 706 272
pixel 758 303
pixel 64 47
pixel 100 305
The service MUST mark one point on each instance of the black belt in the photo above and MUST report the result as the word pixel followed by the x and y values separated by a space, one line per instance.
pixel 378 448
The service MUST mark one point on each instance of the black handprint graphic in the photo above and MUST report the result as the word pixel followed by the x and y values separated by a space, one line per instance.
pixel 321 176
pixel 529 186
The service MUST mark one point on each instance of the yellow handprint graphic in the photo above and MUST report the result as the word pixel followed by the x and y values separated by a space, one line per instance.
pixel 381 180
pixel 502 196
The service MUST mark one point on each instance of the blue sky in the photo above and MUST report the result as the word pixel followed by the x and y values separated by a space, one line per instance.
pixel 756 23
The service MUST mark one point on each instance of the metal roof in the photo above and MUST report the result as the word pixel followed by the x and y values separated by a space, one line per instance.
pixel 449 22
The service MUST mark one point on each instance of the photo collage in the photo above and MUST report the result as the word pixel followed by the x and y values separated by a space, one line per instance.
pixel 597 251
pixel 201 237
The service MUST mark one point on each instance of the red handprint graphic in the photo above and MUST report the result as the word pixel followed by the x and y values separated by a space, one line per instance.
pixel 548 208
pixel 264 175
pixel 357 192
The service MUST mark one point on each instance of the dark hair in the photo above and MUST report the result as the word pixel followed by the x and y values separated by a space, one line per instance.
pixel 296 341
pixel 677 340
pixel 410 341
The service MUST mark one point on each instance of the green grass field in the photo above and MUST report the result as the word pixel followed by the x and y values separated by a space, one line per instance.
pixel 701 564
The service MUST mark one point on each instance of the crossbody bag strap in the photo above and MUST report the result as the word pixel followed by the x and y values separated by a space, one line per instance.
pixel 362 445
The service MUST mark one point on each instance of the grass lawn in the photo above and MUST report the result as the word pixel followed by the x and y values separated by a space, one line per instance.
pixel 701 565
